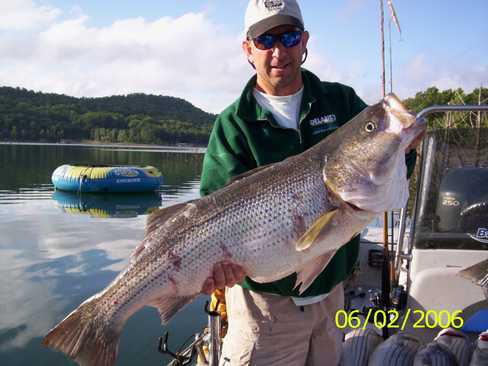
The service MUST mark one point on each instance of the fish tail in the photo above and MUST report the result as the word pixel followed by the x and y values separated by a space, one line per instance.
pixel 83 338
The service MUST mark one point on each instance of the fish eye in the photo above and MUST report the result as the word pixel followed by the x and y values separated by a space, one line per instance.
pixel 370 126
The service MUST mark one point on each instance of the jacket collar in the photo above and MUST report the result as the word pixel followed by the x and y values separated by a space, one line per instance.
pixel 249 110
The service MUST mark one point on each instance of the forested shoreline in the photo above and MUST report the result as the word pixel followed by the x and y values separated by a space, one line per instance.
pixel 433 96
pixel 30 116
pixel 26 115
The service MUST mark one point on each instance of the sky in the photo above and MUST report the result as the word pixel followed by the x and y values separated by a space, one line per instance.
pixel 191 49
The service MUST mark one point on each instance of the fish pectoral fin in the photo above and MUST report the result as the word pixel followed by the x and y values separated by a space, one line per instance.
pixel 136 252
pixel 311 270
pixel 169 306
pixel 316 231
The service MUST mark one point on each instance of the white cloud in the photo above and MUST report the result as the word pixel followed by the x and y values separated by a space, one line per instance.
pixel 25 14
pixel 422 72
pixel 31 301
pixel 318 61
pixel 419 73
pixel 188 57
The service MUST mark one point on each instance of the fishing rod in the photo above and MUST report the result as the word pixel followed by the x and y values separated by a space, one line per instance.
pixel 206 346
pixel 387 265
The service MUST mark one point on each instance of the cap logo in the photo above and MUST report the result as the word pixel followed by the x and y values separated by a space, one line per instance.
pixel 273 4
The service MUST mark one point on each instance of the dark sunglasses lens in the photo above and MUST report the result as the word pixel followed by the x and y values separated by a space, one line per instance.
pixel 291 39
pixel 264 41
pixel 287 39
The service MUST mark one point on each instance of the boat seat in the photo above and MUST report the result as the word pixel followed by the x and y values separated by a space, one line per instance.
pixel 436 285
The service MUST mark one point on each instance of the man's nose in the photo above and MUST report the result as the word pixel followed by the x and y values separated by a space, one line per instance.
pixel 278 49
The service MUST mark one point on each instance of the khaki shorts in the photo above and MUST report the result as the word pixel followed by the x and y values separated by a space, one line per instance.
pixel 267 329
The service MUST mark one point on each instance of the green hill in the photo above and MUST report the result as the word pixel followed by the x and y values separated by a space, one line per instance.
pixel 154 119
pixel 26 115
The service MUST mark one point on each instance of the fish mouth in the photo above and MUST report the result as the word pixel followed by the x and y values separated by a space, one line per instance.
pixel 394 107
pixel 415 130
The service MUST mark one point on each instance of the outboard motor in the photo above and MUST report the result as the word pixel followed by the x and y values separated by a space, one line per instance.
pixel 462 206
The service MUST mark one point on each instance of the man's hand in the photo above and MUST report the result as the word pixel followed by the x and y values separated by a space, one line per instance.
pixel 223 274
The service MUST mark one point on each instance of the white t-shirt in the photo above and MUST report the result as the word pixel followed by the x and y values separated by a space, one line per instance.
pixel 308 300
pixel 285 109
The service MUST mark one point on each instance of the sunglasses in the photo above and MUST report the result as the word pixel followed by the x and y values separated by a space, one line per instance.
pixel 287 39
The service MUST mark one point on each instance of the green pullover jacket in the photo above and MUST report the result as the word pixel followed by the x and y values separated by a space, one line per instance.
pixel 246 136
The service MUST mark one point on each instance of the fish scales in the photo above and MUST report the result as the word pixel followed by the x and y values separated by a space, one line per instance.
pixel 288 217
pixel 253 242
pixel 250 241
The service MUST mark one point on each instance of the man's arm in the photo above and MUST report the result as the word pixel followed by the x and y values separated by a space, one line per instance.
pixel 227 156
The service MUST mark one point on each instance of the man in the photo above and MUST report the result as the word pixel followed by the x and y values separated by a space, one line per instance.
pixel 282 111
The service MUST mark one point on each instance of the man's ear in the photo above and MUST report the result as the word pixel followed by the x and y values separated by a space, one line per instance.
pixel 305 38
pixel 247 48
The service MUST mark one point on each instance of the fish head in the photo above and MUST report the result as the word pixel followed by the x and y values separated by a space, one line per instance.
pixel 366 165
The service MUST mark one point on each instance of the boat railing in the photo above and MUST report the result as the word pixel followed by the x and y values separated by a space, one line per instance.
pixel 406 254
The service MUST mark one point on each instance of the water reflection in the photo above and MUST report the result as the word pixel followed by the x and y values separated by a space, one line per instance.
pixel 107 205
pixel 31 166
pixel 51 261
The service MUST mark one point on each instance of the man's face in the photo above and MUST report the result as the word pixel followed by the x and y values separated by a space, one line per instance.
pixel 277 68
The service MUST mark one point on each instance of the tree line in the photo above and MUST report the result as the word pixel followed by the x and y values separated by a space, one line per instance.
pixel 136 118
pixel 433 96
pixel 26 115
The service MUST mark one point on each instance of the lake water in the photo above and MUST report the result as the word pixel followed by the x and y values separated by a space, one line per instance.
pixel 57 250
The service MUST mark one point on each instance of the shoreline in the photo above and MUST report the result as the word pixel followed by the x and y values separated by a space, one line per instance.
pixel 121 146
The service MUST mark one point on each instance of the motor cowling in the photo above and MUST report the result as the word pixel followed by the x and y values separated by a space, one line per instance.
pixel 462 205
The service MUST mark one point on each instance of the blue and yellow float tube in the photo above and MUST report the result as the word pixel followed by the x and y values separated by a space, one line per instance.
pixel 100 179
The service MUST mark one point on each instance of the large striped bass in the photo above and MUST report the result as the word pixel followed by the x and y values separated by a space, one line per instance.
pixel 287 217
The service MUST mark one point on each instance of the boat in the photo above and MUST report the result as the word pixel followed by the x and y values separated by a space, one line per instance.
pixel 448 232
pixel 108 205
pixel 418 280
pixel 106 179
pixel 415 280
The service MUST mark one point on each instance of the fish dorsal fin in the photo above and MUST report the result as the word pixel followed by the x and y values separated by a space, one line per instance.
pixel 311 270
pixel 316 231
pixel 136 252
pixel 156 219
pixel 162 215
pixel 169 306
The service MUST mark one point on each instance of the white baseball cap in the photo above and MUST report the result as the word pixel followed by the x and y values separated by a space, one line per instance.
pixel 263 15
